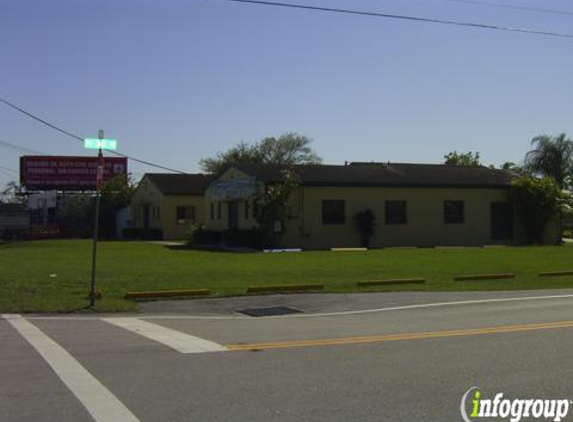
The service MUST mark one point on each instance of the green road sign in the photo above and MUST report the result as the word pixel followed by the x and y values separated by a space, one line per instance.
pixel 94 143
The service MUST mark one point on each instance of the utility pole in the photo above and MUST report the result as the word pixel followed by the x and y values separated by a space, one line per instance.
pixel 99 182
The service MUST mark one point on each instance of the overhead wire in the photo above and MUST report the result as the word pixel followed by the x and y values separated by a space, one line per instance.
pixel 511 6
pixel 401 17
pixel 77 137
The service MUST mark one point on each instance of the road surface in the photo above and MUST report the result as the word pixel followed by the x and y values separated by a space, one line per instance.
pixel 411 358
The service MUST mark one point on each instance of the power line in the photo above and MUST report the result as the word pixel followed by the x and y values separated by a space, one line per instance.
pixel 511 6
pixel 20 148
pixel 147 163
pixel 9 169
pixel 6 173
pixel 72 135
pixel 65 132
pixel 404 17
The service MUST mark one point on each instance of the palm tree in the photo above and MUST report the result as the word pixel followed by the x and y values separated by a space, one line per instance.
pixel 552 157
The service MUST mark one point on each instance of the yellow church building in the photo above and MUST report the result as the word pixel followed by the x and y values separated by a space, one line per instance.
pixel 413 204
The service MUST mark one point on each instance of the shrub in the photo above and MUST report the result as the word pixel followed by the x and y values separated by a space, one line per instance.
pixel 200 236
pixel 247 238
pixel 536 203
pixel 142 234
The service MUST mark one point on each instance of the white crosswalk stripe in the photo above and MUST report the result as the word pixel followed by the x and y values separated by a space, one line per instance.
pixel 182 342
pixel 102 405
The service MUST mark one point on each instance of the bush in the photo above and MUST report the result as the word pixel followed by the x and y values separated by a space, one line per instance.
pixel 206 237
pixel 245 238
pixel 142 234
pixel 536 203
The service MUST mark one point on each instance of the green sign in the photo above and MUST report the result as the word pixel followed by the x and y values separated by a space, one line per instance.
pixel 95 143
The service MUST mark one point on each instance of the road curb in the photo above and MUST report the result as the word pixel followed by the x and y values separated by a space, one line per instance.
pixel 348 249
pixel 555 273
pixel 477 277
pixel 162 294
pixel 390 281
pixel 285 288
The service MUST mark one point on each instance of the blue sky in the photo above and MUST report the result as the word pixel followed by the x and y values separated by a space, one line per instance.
pixel 178 80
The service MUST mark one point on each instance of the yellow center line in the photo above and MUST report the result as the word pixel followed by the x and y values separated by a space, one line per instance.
pixel 399 337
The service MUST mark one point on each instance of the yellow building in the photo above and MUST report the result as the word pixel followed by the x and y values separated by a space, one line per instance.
pixel 413 205
pixel 170 203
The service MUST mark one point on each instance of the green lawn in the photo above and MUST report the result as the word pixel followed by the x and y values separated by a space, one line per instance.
pixel 28 284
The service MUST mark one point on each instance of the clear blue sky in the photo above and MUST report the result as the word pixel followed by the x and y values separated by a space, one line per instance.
pixel 177 80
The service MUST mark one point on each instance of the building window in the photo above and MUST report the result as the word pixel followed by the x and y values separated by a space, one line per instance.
pixel 246 210
pixel 396 212
pixel 333 211
pixel 212 211
pixel 185 215
pixel 453 212
pixel 219 210
pixel 158 213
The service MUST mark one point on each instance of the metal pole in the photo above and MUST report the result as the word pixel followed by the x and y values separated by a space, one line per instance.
pixel 96 222
pixel 94 249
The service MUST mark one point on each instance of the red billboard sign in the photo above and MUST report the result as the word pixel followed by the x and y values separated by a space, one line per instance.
pixel 38 172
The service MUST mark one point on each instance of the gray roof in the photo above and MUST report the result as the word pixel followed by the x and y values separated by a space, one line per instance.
pixel 385 175
pixel 180 184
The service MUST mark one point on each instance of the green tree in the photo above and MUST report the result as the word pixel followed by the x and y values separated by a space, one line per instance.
pixel 552 157
pixel 536 202
pixel 271 205
pixel 76 215
pixel 288 149
pixel 455 158
pixel 513 167
pixel 242 153
pixel 116 194
pixel 12 194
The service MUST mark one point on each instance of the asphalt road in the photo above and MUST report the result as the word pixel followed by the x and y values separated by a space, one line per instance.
pixel 408 360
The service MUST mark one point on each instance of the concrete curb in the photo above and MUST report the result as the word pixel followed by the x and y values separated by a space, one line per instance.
pixel 555 273
pixel 284 288
pixel 161 294
pixel 477 277
pixel 348 249
pixel 390 281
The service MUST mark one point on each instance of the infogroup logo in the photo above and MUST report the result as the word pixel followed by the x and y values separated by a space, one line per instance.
pixel 513 410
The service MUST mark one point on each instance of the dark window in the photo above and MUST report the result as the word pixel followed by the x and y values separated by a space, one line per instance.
pixel 219 210
pixel 185 215
pixel 396 212
pixel 453 212
pixel 333 212
pixel 246 210
pixel 212 211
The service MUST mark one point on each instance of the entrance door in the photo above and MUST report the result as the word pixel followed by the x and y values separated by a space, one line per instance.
pixel 501 221
pixel 233 215
pixel 145 216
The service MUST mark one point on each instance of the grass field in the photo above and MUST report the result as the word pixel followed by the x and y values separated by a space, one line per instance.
pixel 54 275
